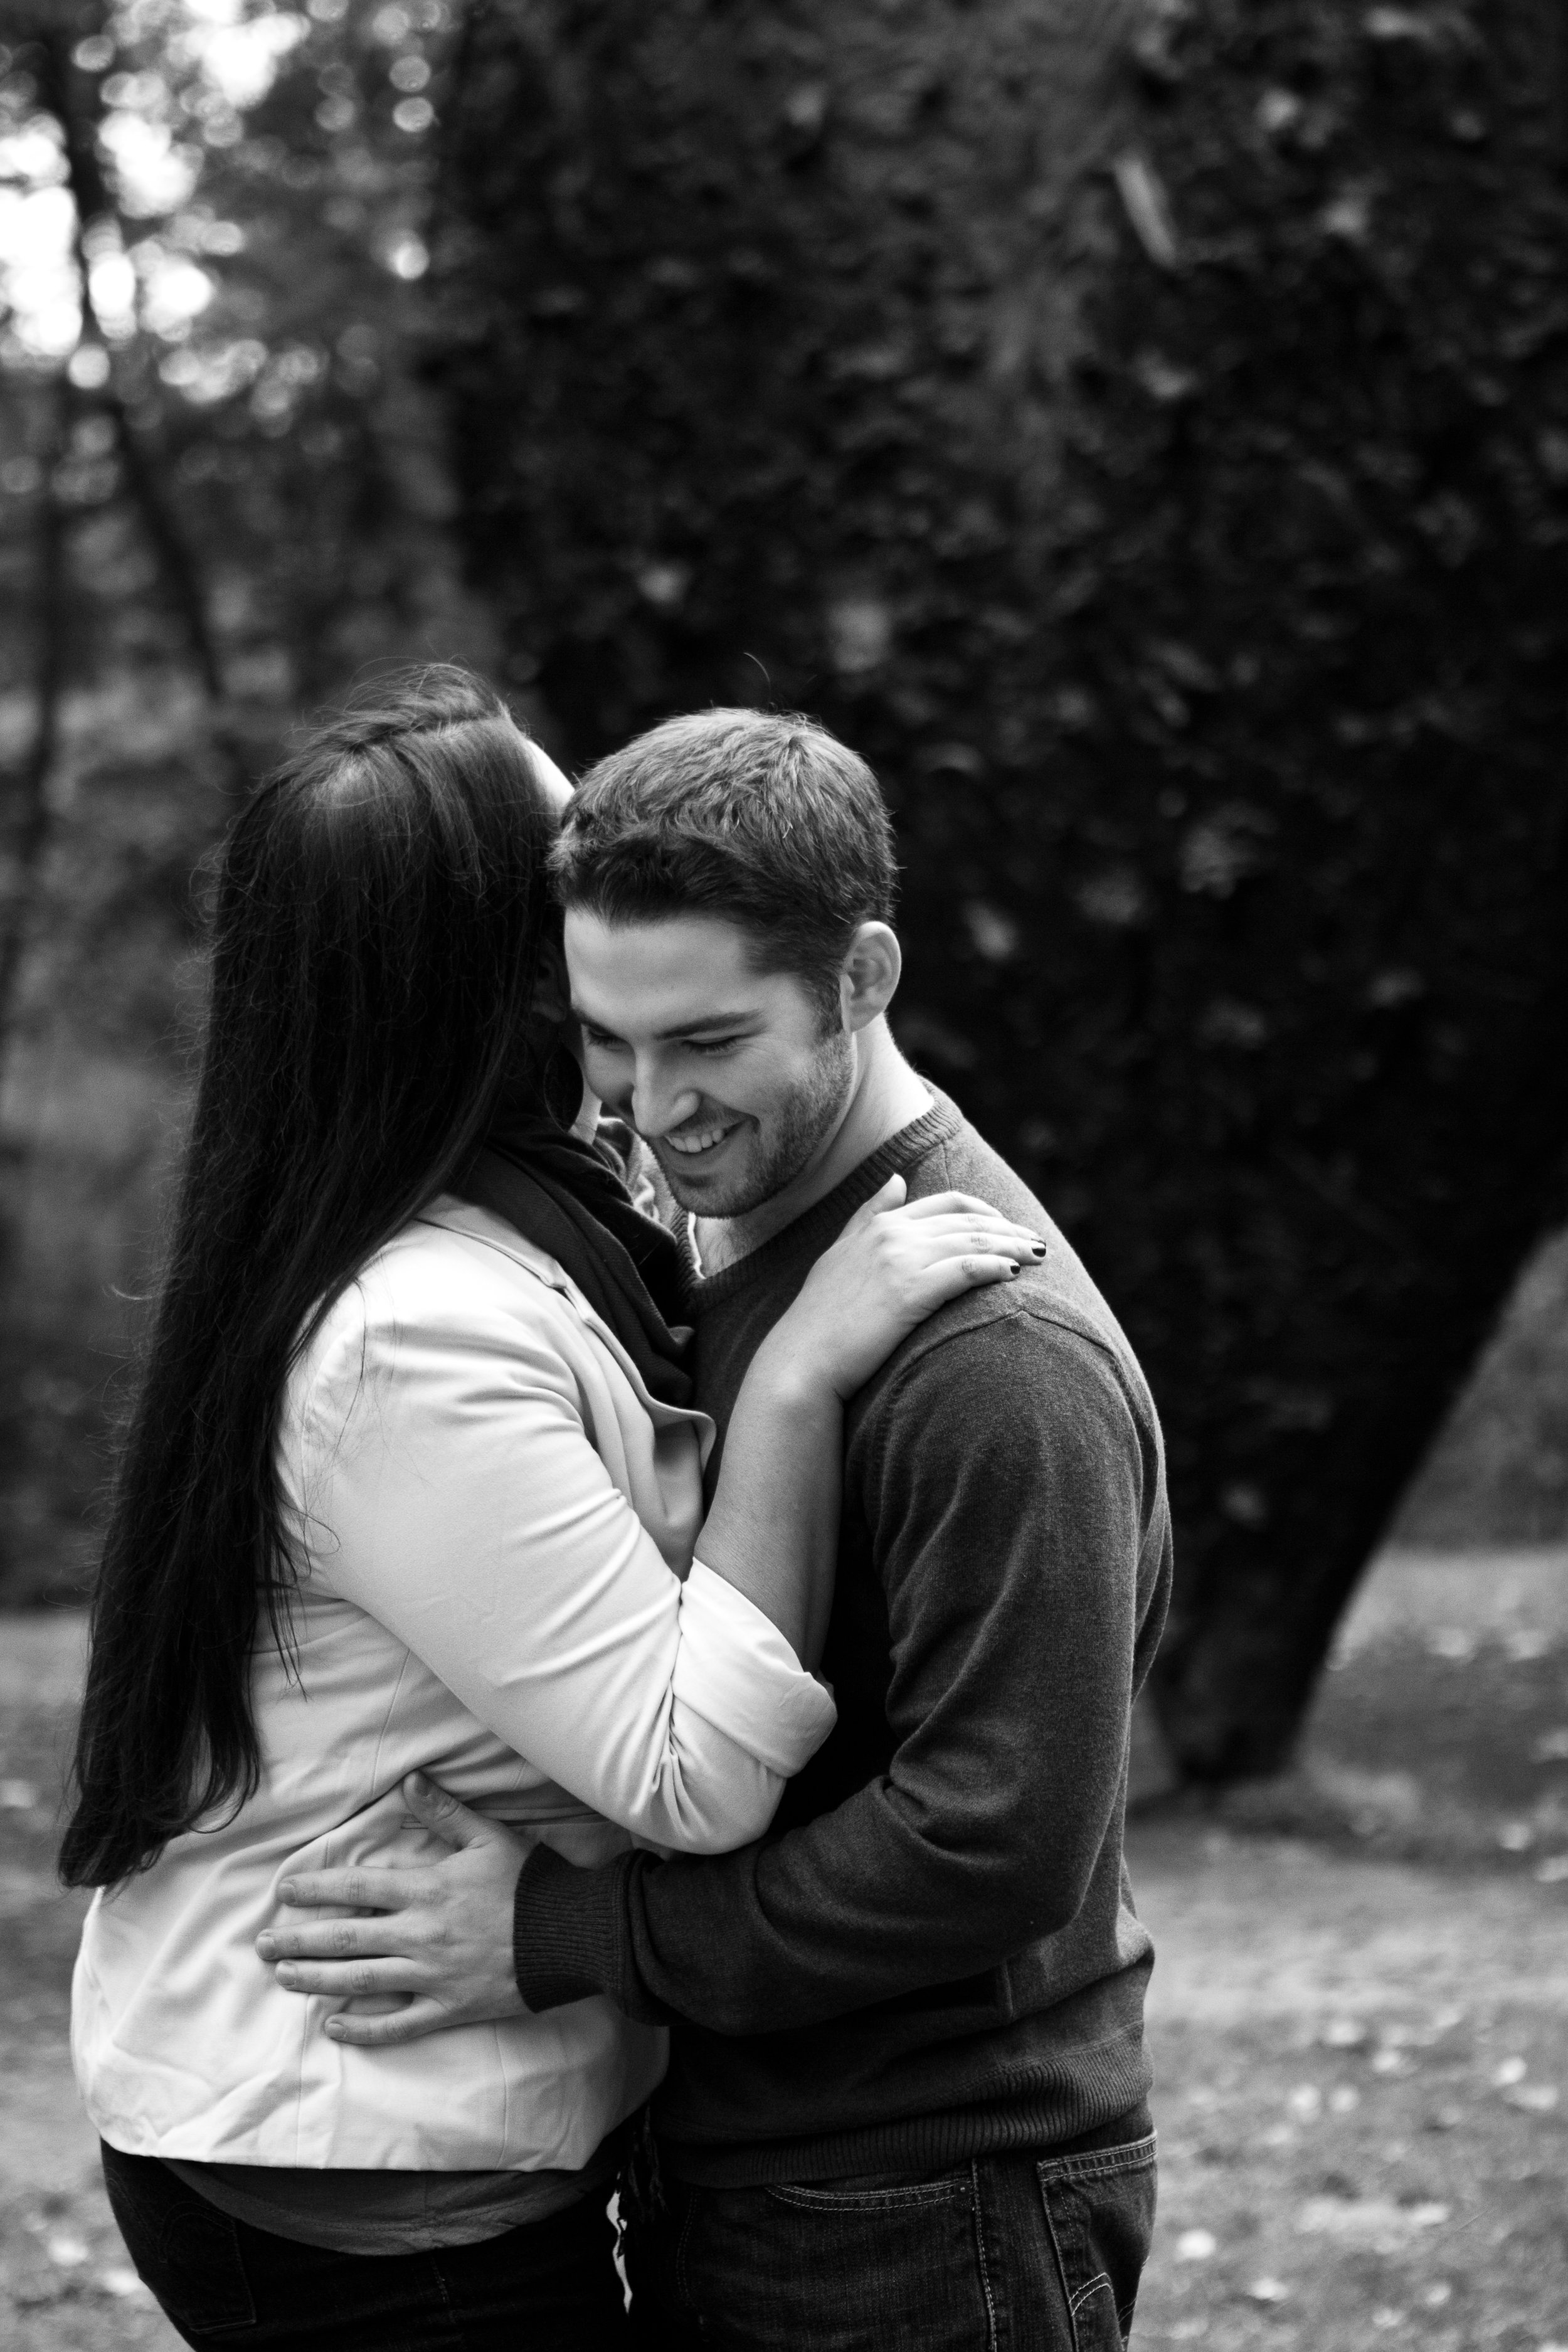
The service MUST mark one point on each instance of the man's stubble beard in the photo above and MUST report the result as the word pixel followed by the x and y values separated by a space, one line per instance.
pixel 809 1115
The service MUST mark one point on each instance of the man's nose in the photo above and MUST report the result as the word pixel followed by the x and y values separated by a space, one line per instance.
pixel 659 1103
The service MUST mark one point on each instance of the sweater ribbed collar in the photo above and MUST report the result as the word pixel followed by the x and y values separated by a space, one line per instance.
pixel 815 1229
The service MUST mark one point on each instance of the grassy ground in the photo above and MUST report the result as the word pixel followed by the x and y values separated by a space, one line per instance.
pixel 1360 2013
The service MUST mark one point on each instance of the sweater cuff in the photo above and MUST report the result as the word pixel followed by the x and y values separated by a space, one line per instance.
pixel 568 1936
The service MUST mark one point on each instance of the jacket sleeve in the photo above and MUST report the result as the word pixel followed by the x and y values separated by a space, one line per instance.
pixel 450 1489
pixel 1018 1526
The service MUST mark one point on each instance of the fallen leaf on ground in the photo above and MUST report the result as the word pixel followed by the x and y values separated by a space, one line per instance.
pixel 1535 2099
pixel 1197 2245
pixel 121 2281
pixel 1268 2290
pixel 1374 2221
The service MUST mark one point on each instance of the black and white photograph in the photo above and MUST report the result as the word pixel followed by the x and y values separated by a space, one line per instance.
pixel 784 1175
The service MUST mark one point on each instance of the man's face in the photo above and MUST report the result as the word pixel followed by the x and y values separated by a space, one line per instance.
pixel 726 1072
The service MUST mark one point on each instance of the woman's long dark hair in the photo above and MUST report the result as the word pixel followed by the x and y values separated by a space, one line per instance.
pixel 381 914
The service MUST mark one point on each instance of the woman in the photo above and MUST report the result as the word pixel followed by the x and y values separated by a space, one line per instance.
pixel 415 1482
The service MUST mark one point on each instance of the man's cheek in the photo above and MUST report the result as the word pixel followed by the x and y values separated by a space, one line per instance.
pixel 606 1077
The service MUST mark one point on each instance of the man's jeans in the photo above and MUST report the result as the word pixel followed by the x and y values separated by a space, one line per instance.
pixel 1020 2252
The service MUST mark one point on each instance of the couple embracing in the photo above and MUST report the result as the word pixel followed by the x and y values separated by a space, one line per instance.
pixel 613 1661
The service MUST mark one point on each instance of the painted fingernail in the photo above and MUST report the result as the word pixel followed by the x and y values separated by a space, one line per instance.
pixel 1013 1266
pixel 287 1891
pixel 1037 1249
pixel 267 1946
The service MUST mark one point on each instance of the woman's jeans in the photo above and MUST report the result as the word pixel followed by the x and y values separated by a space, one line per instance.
pixel 550 2287
pixel 1021 2252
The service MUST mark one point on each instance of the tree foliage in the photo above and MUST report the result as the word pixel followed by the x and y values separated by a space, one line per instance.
pixel 1141 432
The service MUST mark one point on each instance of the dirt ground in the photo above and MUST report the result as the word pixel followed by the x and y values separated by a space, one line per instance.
pixel 1359 2015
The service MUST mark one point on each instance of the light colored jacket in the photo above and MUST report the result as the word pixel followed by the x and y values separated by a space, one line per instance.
pixel 495 1518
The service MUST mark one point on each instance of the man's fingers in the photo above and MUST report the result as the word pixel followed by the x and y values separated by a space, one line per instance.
pixel 432 1806
pixel 410 2024
pixel 329 1939
pixel 351 1890
pixel 347 1980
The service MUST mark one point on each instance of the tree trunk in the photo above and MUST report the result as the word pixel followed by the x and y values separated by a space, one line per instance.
pixel 1139 435
pixel 72 97
pixel 25 795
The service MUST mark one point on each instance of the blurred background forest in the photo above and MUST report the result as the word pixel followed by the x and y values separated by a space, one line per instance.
pixel 224 497
pixel 302 307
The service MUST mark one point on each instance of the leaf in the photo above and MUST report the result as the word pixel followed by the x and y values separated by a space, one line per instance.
pixel 1267 2291
pixel 1533 2098
pixel 1147 206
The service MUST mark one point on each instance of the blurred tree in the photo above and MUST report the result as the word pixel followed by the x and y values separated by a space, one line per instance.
pixel 1139 429
pixel 222 494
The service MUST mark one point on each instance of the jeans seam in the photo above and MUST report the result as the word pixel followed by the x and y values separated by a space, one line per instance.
pixel 454 2318
pixel 991 2344
pixel 803 2198
pixel 164 2227
pixel 1092 2286
pixel 1099 2163
pixel 1069 2303
pixel 683 2294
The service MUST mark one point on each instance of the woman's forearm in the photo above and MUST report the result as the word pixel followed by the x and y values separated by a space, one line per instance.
pixel 772 1531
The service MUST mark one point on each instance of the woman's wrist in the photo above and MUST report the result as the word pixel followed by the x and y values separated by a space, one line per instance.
pixel 789 1378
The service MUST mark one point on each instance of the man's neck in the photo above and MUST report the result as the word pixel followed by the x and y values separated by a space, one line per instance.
pixel 887 1096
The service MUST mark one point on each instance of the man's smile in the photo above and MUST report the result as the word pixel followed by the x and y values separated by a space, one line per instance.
pixel 697 1142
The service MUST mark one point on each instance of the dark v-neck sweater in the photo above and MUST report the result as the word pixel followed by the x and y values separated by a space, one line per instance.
pixel 933 1954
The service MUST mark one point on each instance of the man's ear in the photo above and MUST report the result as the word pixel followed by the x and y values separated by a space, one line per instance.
pixel 870 974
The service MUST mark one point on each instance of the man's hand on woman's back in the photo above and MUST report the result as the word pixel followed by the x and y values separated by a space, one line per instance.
pixel 440 1934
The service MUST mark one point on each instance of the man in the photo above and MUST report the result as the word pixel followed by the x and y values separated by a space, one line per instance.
pixel 906 2096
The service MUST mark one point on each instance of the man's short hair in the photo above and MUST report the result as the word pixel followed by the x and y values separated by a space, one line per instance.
pixel 768 821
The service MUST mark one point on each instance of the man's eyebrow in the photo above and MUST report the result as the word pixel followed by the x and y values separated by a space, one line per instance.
pixel 706 1024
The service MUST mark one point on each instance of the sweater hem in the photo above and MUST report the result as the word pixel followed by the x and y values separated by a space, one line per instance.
pixel 920 2143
